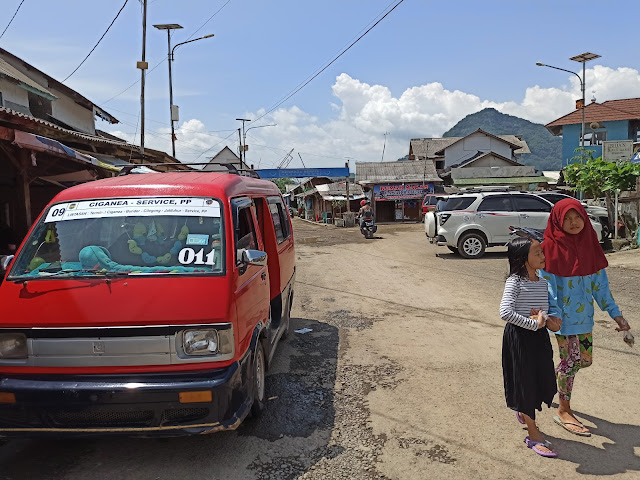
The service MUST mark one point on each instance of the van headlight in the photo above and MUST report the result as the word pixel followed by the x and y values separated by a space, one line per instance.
pixel 13 345
pixel 207 341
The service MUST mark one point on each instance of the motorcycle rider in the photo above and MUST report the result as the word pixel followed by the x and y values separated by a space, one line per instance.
pixel 365 212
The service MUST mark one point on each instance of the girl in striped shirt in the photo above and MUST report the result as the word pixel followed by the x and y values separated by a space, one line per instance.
pixel 527 356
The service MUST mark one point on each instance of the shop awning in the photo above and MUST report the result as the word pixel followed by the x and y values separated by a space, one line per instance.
pixel 31 141
pixel 113 163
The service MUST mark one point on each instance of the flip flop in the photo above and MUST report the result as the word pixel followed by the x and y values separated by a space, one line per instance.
pixel 519 417
pixel 579 425
pixel 533 445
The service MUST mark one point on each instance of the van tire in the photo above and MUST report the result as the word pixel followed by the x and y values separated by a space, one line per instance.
pixel 472 245
pixel 259 366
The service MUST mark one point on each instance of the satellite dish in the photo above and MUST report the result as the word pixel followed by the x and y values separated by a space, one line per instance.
pixel 594 126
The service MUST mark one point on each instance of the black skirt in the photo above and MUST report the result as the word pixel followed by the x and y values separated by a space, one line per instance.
pixel 527 369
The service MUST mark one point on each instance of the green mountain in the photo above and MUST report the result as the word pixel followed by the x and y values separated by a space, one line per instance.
pixel 546 150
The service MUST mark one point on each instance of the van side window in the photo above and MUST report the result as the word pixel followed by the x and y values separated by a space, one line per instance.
pixel 280 219
pixel 245 231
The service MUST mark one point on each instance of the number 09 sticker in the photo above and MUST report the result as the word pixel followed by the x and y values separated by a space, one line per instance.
pixel 188 256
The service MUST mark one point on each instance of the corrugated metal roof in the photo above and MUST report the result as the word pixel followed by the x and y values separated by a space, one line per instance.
pixel 427 147
pixel 396 172
pixel 338 191
pixel 15 120
pixel 61 87
pixel 611 110
pixel 8 70
pixel 86 136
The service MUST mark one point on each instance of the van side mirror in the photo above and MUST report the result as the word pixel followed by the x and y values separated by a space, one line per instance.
pixel 5 261
pixel 254 257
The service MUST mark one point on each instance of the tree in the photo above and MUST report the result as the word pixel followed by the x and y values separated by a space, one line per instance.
pixel 282 183
pixel 597 178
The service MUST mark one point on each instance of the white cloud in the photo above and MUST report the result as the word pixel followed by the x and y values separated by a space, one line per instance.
pixel 362 113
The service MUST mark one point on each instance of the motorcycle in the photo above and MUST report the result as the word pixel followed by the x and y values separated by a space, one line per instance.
pixel 368 227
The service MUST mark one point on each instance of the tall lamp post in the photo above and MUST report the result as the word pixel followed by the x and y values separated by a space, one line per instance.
pixel 173 112
pixel 582 58
pixel 244 137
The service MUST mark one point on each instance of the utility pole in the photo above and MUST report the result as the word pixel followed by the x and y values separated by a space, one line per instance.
pixel 240 143
pixel 384 145
pixel 168 27
pixel 143 65
pixel 347 188
pixel 243 136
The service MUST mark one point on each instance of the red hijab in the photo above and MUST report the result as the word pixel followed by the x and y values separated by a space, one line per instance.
pixel 569 255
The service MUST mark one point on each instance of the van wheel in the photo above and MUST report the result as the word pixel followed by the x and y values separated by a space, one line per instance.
pixel 453 249
pixel 258 381
pixel 471 245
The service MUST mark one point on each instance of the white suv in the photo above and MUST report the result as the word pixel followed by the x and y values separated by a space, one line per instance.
pixel 468 223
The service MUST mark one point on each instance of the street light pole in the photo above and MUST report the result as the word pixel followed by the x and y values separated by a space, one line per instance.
pixel 244 137
pixel 143 65
pixel 168 27
pixel 582 58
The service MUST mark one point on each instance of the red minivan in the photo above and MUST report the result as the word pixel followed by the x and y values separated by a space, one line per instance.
pixel 146 304
pixel 429 203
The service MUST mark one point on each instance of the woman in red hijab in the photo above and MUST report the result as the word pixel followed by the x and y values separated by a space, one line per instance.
pixel 575 271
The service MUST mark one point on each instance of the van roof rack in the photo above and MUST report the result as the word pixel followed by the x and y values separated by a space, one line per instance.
pixel 127 169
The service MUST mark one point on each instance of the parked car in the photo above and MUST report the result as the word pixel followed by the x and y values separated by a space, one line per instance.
pixel 600 213
pixel 469 222
pixel 146 305
pixel 429 202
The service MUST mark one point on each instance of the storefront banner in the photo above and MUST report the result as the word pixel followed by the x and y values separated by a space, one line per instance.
pixel 401 191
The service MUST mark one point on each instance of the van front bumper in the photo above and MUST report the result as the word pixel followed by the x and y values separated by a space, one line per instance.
pixel 133 405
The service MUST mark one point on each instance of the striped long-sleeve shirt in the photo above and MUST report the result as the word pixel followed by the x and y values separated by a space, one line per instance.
pixel 519 297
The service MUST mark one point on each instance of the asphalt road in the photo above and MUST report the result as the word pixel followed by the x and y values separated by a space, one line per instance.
pixel 399 378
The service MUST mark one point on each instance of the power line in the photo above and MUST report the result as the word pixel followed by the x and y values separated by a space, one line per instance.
pixel 208 20
pixel 328 64
pixel 96 45
pixel 161 62
pixel 11 21
pixel 213 146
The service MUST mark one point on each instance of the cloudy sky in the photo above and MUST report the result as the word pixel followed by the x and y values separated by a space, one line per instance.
pixel 417 73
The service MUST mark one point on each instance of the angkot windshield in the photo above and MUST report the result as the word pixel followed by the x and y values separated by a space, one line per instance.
pixel 125 236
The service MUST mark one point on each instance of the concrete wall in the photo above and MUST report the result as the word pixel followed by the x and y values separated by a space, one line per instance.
pixel 473 144
pixel 488 172
pixel 225 156
pixel 618 130
pixel 490 161
pixel 13 95
pixel 68 111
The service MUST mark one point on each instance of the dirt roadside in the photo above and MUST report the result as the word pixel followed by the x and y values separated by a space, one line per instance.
pixel 399 378
pixel 433 333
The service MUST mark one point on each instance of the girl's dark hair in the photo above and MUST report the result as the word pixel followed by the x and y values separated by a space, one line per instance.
pixel 518 255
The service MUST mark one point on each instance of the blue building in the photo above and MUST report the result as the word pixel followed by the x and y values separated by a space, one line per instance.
pixel 611 120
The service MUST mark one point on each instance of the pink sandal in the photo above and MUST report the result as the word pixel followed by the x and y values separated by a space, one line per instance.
pixel 533 445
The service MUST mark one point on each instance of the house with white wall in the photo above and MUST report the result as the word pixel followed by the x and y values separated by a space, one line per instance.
pixel 224 156
pixel 449 151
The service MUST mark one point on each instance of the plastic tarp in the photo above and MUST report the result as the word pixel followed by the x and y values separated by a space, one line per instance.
pixel 37 143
